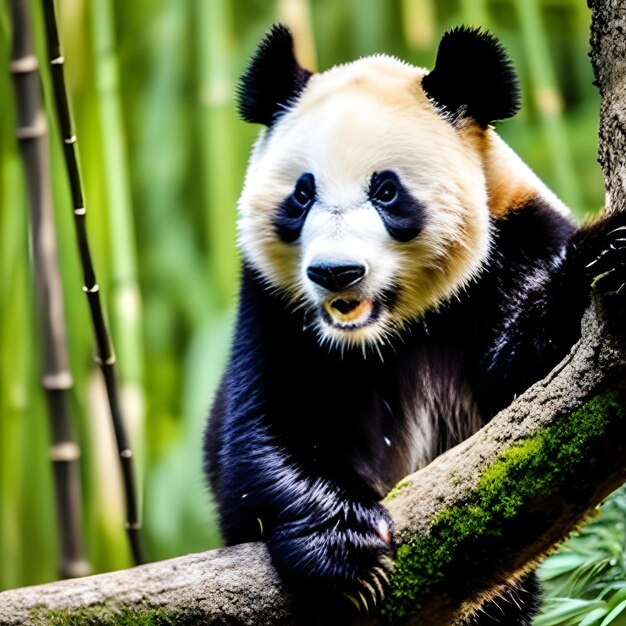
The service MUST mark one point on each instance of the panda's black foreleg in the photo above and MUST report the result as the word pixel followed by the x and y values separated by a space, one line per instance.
pixel 328 541
pixel 517 606
pixel 542 318
pixel 338 555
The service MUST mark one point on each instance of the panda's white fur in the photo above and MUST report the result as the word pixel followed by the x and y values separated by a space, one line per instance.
pixel 349 122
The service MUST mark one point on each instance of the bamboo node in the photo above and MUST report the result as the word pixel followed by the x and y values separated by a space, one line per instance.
pixel 549 101
pixel 24 65
pixel 57 60
pixel 58 381
pixel 70 140
pixel 65 451
pixel 108 361
pixel 76 568
pixel 132 525
pixel 126 454
pixel 93 289
pixel 30 132
pixel 37 129
pixel 80 211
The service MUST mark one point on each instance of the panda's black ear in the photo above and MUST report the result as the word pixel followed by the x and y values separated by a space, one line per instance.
pixel 473 76
pixel 273 78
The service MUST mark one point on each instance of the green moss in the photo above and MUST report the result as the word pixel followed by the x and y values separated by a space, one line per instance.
pixel 401 486
pixel 103 616
pixel 530 469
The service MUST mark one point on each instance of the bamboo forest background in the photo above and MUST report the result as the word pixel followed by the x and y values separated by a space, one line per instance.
pixel 162 155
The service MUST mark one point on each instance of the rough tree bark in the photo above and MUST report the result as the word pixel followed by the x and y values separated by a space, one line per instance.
pixel 487 509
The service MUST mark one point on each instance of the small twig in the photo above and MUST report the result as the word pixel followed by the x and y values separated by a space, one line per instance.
pixel 105 355
pixel 56 380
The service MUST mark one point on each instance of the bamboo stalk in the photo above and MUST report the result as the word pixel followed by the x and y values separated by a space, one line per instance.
pixel 32 137
pixel 105 355
pixel 475 13
pixel 124 295
pixel 369 19
pixel 419 23
pixel 14 334
pixel 125 299
pixel 297 15
pixel 220 185
pixel 548 101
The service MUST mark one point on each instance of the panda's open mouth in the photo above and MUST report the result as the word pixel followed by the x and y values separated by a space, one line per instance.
pixel 349 313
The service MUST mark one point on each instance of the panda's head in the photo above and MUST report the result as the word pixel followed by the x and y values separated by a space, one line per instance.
pixel 365 200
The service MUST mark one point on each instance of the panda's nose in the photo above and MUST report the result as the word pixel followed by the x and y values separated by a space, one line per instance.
pixel 335 277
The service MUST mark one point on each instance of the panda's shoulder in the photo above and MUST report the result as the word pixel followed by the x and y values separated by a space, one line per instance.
pixel 534 230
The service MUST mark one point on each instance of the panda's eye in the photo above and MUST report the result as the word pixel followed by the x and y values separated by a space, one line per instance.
pixel 292 212
pixel 384 189
pixel 304 191
pixel 402 214
pixel 386 193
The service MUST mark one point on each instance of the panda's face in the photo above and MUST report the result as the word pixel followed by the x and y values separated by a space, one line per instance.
pixel 364 205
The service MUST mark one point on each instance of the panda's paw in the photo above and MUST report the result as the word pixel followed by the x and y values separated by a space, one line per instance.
pixel 346 555
pixel 607 268
pixel 365 595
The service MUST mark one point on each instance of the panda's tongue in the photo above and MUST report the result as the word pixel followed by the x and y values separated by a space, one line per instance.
pixel 349 310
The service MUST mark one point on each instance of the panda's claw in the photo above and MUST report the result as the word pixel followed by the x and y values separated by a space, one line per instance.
pixel 364 603
pixel 372 592
pixel 381 573
pixel 352 599
pixel 607 270
pixel 387 564
pixel 379 586
pixel 618 229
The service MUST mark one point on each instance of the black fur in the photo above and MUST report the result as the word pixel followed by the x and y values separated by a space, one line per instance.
pixel 273 80
pixel 401 213
pixel 473 77
pixel 516 607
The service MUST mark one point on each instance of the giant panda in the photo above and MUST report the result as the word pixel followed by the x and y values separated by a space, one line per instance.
pixel 404 276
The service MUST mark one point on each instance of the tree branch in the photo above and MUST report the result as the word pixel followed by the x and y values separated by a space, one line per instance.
pixel 487 509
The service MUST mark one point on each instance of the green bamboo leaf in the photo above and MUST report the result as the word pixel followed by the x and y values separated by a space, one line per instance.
pixel 562 610
pixel 592 618
pixel 560 564
pixel 614 613
pixel 609 588
pixel 617 598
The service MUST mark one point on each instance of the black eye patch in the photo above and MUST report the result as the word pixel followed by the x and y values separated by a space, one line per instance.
pixel 292 211
pixel 402 215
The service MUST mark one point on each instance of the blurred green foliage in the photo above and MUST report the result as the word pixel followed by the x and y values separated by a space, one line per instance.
pixel 163 155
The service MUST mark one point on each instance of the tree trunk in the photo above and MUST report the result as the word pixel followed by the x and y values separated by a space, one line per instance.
pixel 608 58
